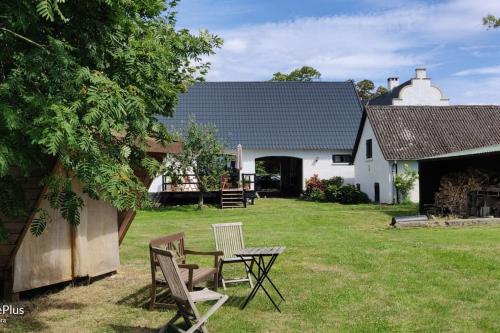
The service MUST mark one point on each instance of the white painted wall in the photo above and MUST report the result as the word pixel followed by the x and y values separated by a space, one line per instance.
pixel 373 170
pixel 378 170
pixel 421 92
pixel 313 162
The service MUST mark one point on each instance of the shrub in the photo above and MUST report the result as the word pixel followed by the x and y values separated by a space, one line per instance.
pixel 315 194
pixel 338 181
pixel 348 194
pixel 315 182
pixel 333 190
pixel 405 181
pixel 331 193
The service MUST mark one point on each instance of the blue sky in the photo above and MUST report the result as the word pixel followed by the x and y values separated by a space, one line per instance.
pixel 343 39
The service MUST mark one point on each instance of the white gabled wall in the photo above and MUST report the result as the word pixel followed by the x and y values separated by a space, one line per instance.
pixel 421 92
pixel 373 170
pixel 313 162
pixel 378 170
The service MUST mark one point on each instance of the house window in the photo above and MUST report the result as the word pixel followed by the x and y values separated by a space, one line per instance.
pixel 369 148
pixel 341 158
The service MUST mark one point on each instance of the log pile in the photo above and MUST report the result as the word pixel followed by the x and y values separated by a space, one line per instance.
pixel 454 188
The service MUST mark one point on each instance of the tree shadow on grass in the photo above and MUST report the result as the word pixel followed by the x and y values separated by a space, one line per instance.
pixel 235 301
pixel 138 299
pixel 29 322
pixel 142 296
pixel 132 329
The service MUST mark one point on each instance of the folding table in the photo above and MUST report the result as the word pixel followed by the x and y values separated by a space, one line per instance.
pixel 258 254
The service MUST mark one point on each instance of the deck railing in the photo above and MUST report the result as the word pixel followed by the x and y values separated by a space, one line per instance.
pixel 248 181
pixel 189 183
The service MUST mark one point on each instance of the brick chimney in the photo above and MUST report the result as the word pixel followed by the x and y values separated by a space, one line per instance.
pixel 392 82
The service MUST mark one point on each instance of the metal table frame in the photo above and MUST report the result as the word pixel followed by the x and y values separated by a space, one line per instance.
pixel 264 268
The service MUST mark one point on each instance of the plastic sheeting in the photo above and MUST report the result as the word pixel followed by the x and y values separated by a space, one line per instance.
pixel 64 252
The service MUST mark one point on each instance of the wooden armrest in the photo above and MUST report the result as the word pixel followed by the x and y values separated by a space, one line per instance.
pixel 216 255
pixel 204 253
pixel 188 266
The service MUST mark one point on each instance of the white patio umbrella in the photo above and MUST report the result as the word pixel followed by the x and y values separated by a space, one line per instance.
pixel 239 158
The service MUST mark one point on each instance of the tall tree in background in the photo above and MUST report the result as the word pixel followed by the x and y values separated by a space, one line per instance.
pixel 304 74
pixel 366 90
pixel 202 157
pixel 491 21
pixel 83 83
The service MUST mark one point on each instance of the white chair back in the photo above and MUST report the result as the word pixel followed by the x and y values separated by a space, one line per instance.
pixel 228 238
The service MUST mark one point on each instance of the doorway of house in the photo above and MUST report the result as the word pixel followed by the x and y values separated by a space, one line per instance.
pixel 278 176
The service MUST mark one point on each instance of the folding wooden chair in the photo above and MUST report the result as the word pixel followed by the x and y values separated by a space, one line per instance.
pixel 192 274
pixel 185 300
pixel 229 239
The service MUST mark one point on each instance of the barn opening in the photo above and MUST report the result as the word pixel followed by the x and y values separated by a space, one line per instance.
pixel 278 176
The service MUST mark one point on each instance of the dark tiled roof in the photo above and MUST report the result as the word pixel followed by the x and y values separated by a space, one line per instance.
pixel 281 115
pixel 415 132
pixel 386 99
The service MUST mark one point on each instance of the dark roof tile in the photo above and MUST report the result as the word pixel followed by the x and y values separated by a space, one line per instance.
pixel 278 115
pixel 415 132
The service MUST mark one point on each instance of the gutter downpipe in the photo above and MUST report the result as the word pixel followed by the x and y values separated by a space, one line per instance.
pixel 395 194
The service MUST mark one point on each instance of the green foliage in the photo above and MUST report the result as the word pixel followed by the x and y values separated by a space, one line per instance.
pixel 348 195
pixel 336 181
pixel 345 194
pixel 333 190
pixel 366 90
pixel 305 74
pixel 49 8
pixel 331 193
pixel 491 21
pixel 84 83
pixel 202 157
pixel 39 223
pixel 405 181
pixel 315 194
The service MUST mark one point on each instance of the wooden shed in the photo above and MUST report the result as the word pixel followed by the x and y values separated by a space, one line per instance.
pixel 64 252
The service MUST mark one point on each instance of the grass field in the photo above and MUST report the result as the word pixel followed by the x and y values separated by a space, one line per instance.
pixel 343 270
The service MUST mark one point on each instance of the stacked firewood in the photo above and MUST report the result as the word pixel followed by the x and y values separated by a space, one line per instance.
pixel 453 195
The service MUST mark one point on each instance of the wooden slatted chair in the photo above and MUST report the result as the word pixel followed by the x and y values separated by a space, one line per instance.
pixel 229 240
pixel 184 299
pixel 191 274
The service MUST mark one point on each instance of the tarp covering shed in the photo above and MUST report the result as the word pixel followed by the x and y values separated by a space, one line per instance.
pixel 64 252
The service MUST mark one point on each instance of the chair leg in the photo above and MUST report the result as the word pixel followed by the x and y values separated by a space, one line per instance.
pixel 153 295
pixel 221 276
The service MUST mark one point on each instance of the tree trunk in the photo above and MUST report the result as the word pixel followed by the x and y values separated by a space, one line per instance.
pixel 200 200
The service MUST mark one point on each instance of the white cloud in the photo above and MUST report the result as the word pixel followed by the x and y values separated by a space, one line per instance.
pixel 466 91
pixel 373 45
pixel 493 70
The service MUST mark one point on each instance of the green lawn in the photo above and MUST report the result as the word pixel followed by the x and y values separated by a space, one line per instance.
pixel 343 270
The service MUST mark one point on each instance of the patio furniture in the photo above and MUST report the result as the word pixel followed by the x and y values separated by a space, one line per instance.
pixel 184 299
pixel 229 239
pixel 191 274
pixel 258 255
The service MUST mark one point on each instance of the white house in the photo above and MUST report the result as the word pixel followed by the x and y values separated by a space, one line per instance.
pixel 392 136
pixel 306 128
pixel 375 167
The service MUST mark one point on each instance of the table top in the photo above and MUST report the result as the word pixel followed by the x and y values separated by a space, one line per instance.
pixel 260 251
